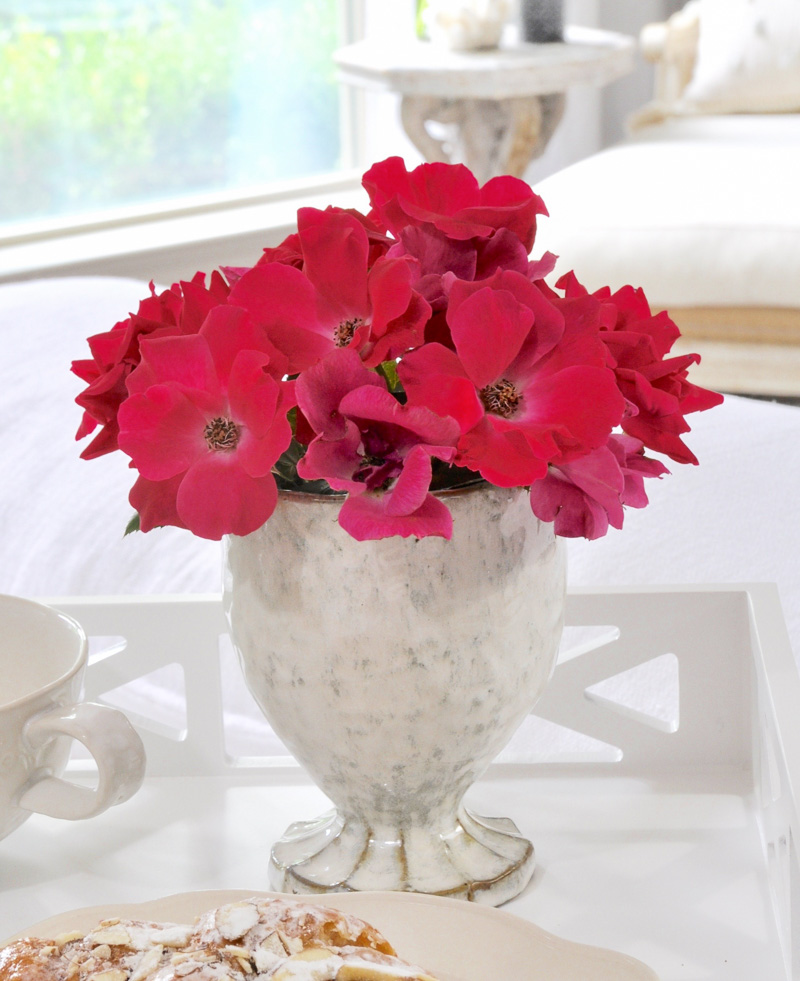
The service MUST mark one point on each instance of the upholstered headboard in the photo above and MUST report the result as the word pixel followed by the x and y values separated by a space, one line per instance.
pixel 724 56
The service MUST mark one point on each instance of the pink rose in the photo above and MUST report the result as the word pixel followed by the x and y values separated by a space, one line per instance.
pixel 440 258
pixel 449 198
pixel 204 424
pixel 584 496
pixel 115 353
pixel 656 388
pixel 337 299
pixel 525 384
pixel 375 448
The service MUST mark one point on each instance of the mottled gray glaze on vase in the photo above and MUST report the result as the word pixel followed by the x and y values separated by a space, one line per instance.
pixel 395 671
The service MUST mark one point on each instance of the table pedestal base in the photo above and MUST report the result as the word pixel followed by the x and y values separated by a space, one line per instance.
pixel 490 136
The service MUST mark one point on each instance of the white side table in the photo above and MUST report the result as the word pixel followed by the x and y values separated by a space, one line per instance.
pixel 504 104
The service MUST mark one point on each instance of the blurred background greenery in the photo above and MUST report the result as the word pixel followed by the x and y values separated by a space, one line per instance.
pixel 109 103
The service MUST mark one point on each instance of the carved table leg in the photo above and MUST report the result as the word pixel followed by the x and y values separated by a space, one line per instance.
pixel 491 136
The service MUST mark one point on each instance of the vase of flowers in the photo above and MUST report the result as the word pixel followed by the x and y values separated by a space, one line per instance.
pixel 395 672
pixel 393 419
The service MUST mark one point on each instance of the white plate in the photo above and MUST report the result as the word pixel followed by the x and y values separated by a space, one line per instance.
pixel 455 940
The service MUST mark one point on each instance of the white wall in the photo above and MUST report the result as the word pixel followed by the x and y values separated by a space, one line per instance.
pixel 622 97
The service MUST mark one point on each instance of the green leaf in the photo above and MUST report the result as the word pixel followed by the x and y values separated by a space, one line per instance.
pixel 389 371
pixel 133 525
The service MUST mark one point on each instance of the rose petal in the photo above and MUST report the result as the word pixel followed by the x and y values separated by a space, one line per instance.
pixel 284 303
pixel 335 254
pixel 433 376
pixel 155 502
pixel 574 515
pixel 488 330
pixel 364 518
pixel 503 458
pixel 162 431
pixel 216 497
pixel 334 460
pixel 413 484
pixel 321 388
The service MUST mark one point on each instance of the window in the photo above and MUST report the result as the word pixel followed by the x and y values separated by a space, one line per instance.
pixel 120 104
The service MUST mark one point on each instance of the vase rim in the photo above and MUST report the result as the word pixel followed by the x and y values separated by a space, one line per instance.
pixel 337 496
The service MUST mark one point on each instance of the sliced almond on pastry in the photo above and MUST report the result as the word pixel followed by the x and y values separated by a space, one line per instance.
pixel 311 964
pixel 235 919
pixel 148 964
pixel 114 936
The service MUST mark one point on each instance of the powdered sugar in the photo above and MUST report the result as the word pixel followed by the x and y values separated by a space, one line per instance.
pixel 260 939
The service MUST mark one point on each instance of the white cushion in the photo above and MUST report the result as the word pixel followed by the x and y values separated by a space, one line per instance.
pixel 748 57
pixel 732 519
pixel 733 130
pixel 696 212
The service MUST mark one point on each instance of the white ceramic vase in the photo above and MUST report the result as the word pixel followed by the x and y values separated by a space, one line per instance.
pixel 395 671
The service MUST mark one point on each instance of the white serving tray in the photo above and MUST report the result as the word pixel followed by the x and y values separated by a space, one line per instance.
pixel 668 837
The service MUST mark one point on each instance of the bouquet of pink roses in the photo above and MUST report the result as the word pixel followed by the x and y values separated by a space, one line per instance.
pixel 385 356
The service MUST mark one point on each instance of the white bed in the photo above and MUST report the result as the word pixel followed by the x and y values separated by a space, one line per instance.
pixel 732 519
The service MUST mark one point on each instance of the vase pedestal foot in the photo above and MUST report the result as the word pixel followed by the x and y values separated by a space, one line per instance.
pixel 484 860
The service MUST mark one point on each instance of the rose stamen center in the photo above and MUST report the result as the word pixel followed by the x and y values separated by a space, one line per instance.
pixel 221 434
pixel 343 334
pixel 501 398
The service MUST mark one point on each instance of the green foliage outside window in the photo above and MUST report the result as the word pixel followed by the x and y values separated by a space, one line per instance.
pixel 127 101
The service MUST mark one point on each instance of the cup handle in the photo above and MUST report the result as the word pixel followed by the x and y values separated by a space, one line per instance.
pixel 115 746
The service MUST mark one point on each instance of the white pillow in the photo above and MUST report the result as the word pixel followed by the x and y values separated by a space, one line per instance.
pixel 748 57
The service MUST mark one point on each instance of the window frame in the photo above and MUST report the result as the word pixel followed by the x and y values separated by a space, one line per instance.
pixel 175 237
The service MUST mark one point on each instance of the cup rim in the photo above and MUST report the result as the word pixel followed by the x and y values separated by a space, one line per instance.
pixel 7 599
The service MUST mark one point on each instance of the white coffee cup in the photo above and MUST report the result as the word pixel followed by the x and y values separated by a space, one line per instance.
pixel 43 655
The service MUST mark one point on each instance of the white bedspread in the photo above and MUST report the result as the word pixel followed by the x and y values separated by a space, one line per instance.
pixel 732 519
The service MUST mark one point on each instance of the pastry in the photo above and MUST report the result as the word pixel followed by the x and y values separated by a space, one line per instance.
pixel 257 939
